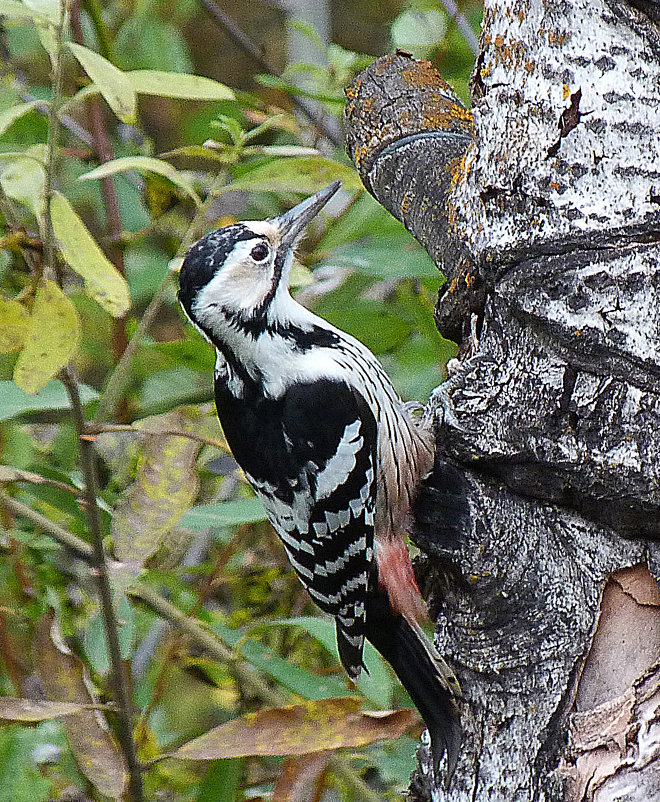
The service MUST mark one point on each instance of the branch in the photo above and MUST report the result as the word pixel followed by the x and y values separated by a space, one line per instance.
pixel 119 679
pixel 409 136
pixel 119 427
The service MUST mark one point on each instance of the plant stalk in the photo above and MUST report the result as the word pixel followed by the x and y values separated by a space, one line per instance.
pixel 119 676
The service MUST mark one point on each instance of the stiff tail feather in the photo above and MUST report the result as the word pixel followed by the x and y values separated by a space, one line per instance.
pixel 421 670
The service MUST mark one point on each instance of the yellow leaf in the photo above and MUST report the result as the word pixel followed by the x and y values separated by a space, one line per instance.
pixel 22 177
pixel 102 279
pixel 52 338
pixel 177 85
pixel 112 83
pixel 166 486
pixel 14 324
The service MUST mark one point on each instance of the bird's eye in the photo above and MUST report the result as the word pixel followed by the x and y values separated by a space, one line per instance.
pixel 259 252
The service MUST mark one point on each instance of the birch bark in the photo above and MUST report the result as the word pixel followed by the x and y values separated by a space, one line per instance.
pixel 541 520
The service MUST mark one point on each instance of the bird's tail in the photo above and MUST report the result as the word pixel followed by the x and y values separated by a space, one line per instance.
pixel 421 670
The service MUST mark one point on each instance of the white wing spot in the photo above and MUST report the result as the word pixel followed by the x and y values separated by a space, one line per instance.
pixel 338 468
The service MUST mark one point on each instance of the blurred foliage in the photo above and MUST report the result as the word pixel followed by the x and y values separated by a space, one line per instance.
pixel 189 543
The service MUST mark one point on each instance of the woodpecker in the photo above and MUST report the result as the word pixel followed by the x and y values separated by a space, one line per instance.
pixel 331 450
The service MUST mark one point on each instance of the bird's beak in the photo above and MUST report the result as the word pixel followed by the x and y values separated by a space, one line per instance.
pixel 292 223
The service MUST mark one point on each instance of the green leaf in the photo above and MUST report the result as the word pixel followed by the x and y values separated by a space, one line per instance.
pixel 15 402
pixel 112 83
pixel 226 513
pixel 177 85
pixel 20 779
pixel 302 175
pixel 14 326
pixel 48 9
pixel 51 341
pixel 13 113
pixel 222 781
pixel 144 164
pixel 304 683
pixel 47 33
pixel 102 279
pixel 16 10
pixel 419 31
pixel 376 683
pixel 146 42
pixel 386 258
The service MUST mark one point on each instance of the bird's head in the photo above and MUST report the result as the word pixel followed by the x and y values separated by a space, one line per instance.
pixel 233 275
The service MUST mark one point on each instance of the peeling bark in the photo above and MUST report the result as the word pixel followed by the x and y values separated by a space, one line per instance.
pixel 541 520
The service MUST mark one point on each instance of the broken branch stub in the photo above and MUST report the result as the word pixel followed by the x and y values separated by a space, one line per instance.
pixel 408 135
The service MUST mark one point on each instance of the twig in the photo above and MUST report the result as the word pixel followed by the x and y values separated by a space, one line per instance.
pixel 462 24
pixel 119 427
pixel 92 511
pixel 74 544
pixel 246 44
pixel 53 142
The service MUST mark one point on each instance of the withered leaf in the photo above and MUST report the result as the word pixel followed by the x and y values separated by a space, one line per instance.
pixel 29 710
pixel 314 726
pixel 93 745
pixel 166 486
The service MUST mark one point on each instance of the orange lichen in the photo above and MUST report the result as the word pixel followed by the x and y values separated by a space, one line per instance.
pixel 359 153
pixel 565 91
pixel 556 38
pixel 424 75
pixel 499 40
pixel 529 66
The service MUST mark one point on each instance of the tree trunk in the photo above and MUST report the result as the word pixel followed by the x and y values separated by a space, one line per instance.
pixel 541 520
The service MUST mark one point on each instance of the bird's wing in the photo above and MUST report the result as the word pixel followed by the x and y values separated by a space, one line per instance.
pixel 322 502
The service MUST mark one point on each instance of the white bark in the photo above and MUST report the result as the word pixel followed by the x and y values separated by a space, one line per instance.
pixel 545 501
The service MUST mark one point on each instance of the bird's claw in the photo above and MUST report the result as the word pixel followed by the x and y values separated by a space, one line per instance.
pixel 440 405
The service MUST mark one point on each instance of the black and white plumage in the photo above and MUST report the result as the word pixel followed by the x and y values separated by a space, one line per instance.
pixel 331 450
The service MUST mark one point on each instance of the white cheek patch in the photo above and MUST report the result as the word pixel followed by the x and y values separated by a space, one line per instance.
pixel 239 285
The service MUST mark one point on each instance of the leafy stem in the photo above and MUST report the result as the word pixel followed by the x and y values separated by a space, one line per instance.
pixel 53 140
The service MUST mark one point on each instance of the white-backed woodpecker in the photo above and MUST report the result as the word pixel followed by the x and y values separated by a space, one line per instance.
pixel 331 450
